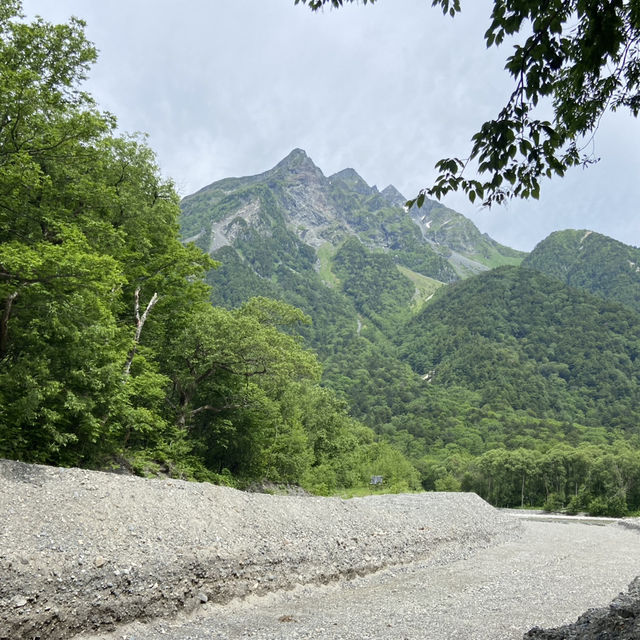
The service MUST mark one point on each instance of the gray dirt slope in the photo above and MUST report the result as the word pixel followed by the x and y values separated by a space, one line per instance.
pixel 84 551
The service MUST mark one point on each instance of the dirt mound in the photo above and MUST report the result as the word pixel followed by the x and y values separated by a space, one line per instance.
pixel 83 550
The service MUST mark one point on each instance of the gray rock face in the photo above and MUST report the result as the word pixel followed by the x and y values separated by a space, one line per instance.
pixel 393 196
pixel 314 206
pixel 306 207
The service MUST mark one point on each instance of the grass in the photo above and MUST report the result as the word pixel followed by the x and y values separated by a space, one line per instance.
pixel 325 253
pixel 425 286
pixel 496 259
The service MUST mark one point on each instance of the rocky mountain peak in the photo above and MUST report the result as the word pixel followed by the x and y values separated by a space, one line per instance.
pixel 393 196
pixel 350 178
pixel 297 198
pixel 297 161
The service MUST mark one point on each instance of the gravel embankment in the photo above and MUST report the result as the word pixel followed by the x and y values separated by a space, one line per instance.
pixel 85 551
pixel 546 577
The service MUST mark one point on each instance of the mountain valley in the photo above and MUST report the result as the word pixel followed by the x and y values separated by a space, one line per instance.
pixel 432 332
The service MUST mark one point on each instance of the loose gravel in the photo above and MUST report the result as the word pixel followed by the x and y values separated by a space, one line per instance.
pixel 547 577
pixel 87 551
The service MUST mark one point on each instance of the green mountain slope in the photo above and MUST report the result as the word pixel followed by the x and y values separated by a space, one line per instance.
pixel 468 250
pixel 526 342
pixel 589 260
pixel 332 247
pixel 531 394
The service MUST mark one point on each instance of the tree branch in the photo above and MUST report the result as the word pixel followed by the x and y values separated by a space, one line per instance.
pixel 140 320
pixel 208 407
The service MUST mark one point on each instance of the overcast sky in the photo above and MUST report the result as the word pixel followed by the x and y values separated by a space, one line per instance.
pixel 229 87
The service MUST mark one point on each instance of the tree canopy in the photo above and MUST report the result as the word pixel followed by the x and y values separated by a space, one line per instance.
pixel 576 59
pixel 110 350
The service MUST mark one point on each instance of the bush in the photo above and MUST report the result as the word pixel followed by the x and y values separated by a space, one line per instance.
pixel 578 503
pixel 554 502
pixel 448 483
pixel 612 506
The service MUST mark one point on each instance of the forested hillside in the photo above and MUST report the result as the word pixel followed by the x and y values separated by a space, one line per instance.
pixel 527 342
pixel 591 261
pixel 508 383
pixel 533 386
pixel 111 353
pixel 349 256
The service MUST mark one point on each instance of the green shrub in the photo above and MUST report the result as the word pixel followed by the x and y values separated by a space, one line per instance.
pixel 612 506
pixel 448 483
pixel 578 503
pixel 554 502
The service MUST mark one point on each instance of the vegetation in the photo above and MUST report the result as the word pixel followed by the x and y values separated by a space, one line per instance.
pixel 110 350
pixel 591 261
pixel 425 287
pixel 448 228
pixel 526 342
pixel 601 480
pixel 504 361
pixel 371 280
pixel 377 224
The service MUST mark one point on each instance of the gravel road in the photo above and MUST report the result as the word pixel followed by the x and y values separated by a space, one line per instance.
pixel 547 577
pixel 84 552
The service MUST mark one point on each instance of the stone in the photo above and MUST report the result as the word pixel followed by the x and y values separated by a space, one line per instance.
pixel 621 620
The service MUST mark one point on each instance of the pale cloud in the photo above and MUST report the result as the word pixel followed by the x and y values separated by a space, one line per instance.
pixel 229 88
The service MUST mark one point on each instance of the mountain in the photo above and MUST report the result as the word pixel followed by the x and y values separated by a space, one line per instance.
pixel 469 251
pixel 350 256
pixel 316 210
pixel 526 342
pixel 489 376
pixel 362 267
pixel 589 260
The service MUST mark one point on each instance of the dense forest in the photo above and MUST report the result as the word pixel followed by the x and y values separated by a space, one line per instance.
pixel 547 392
pixel 292 327
pixel 589 260
pixel 110 351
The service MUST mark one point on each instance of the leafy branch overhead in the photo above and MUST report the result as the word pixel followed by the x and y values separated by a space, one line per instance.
pixel 580 59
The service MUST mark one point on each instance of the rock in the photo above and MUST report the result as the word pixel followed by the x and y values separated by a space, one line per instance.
pixel 621 620
pixel 215 544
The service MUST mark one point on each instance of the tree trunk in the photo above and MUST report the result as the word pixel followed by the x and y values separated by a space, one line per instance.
pixel 140 320
pixel 4 324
